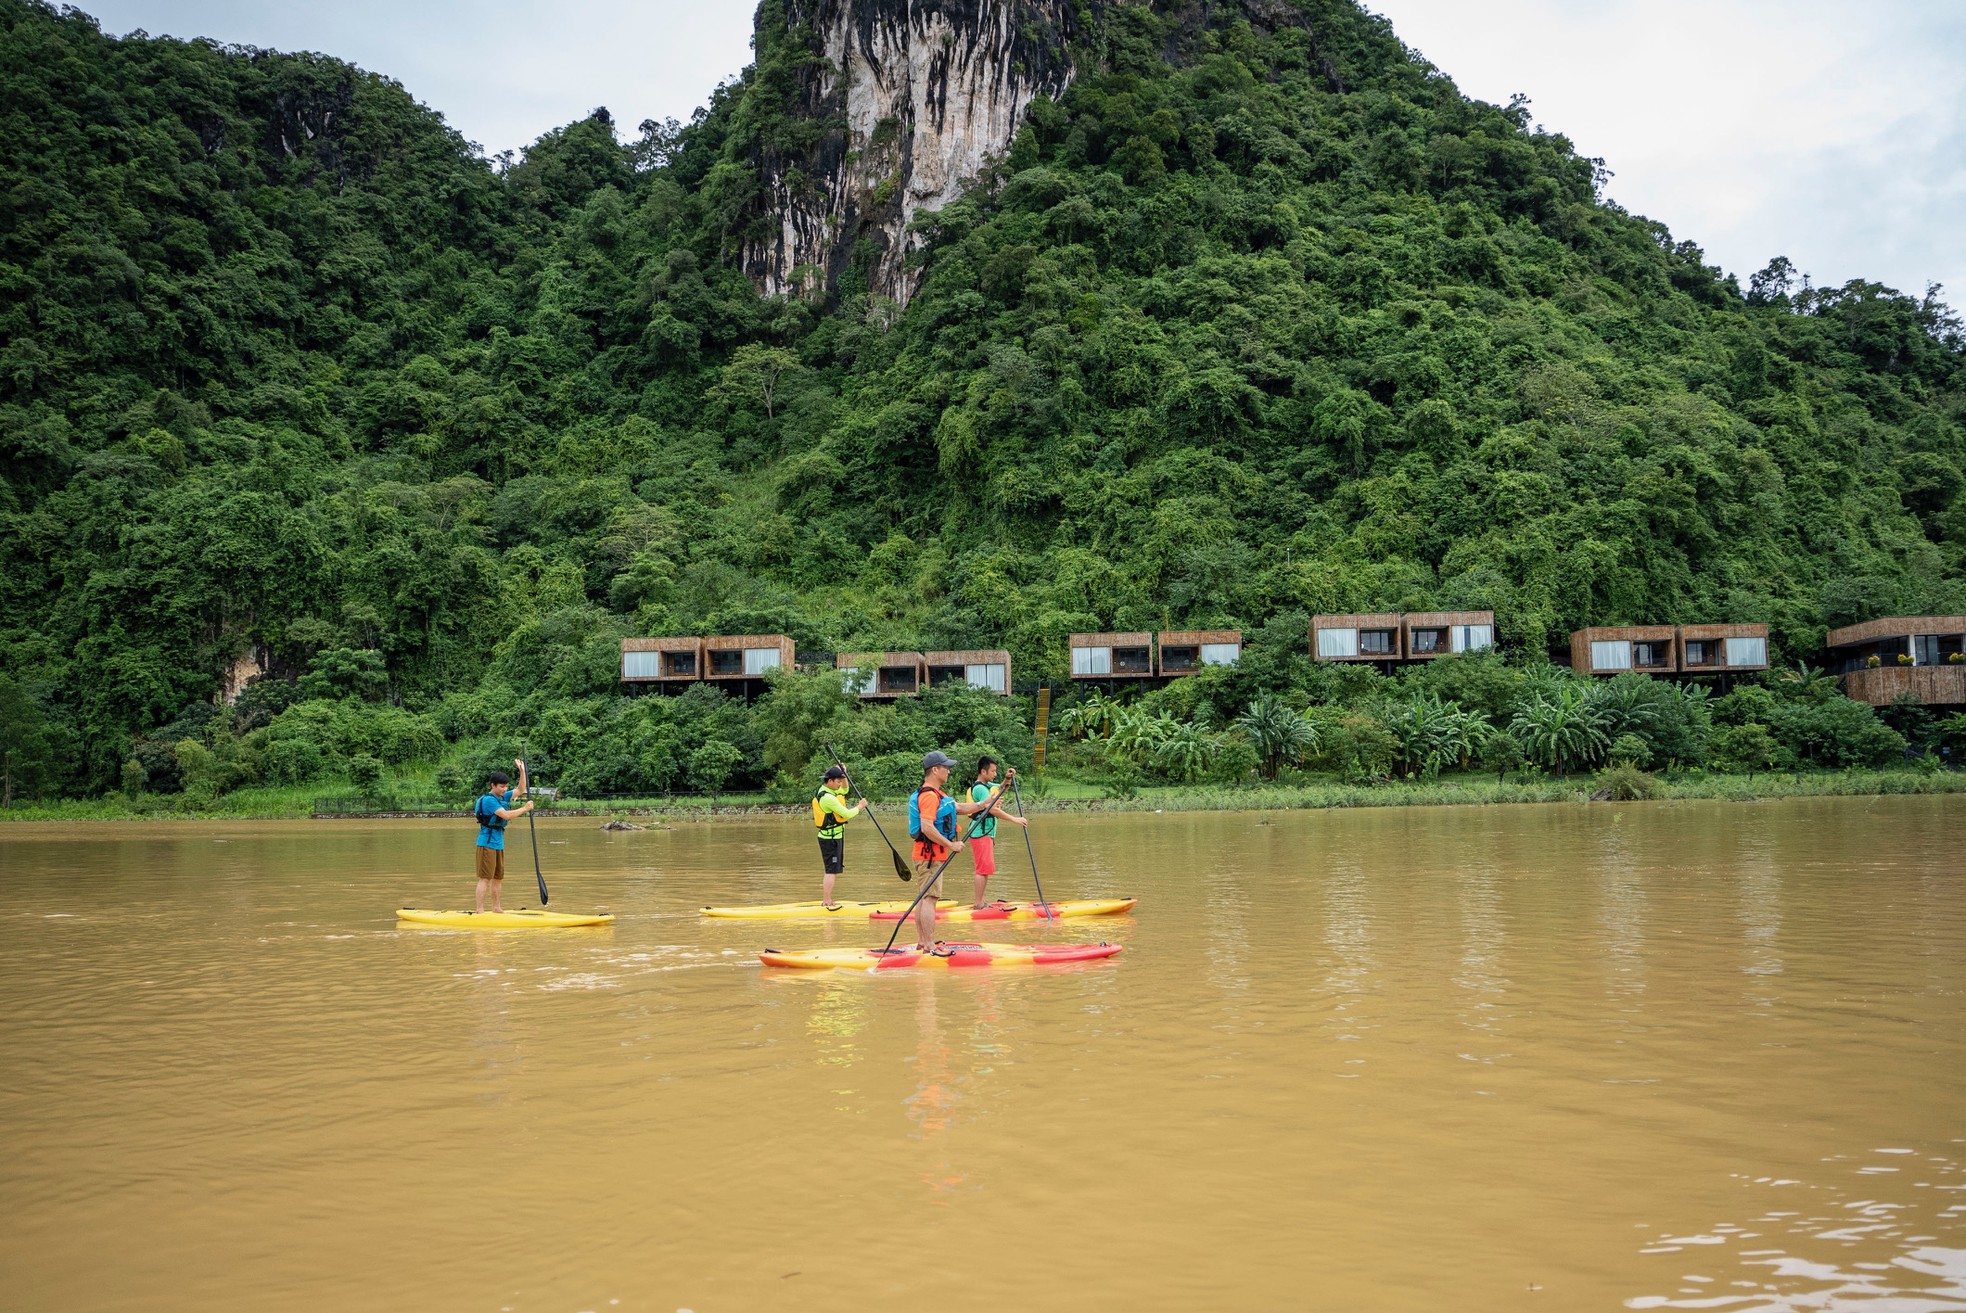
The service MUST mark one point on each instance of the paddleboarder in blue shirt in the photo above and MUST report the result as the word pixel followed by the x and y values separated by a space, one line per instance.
pixel 492 814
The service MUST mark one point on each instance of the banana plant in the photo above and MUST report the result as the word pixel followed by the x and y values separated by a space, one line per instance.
pixel 1561 727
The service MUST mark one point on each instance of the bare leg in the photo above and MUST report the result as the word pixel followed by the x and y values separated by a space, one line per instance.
pixel 982 883
pixel 481 894
pixel 828 895
pixel 925 916
pixel 498 890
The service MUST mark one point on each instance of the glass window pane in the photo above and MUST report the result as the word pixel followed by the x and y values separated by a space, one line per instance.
pixel 1337 642
pixel 757 660
pixel 1925 649
pixel 1220 654
pixel 639 665
pixel 1473 638
pixel 985 676
pixel 1747 651
pixel 1614 655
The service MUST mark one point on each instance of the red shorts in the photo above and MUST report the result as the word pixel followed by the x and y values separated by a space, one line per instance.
pixel 985 852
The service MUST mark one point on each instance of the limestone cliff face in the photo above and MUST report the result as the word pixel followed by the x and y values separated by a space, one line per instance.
pixel 918 96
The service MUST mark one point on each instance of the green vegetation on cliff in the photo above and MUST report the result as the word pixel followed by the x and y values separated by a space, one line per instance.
pixel 1261 318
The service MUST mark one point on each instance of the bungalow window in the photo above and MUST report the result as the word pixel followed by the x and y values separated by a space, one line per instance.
pixel 1648 654
pixel 1696 652
pixel 1613 655
pixel 726 663
pixel 1375 642
pixel 1472 638
pixel 679 663
pixel 1133 660
pixel 1925 650
pixel 1337 642
pixel 1426 640
pixel 1092 661
pixel 1177 658
pixel 639 665
pixel 757 660
pixel 858 679
pixel 1220 654
pixel 985 676
pixel 897 679
pixel 1747 651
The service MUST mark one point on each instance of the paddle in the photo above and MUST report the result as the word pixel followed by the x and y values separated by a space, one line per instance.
pixel 1028 850
pixel 929 883
pixel 537 873
pixel 900 867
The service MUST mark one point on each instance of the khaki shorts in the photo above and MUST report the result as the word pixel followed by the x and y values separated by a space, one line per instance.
pixel 925 869
pixel 491 863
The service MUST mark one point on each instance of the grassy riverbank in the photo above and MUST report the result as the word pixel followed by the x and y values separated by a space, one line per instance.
pixel 1484 791
pixel 1077 796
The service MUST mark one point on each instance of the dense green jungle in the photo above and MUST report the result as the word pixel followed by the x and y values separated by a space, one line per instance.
pixel 1261 318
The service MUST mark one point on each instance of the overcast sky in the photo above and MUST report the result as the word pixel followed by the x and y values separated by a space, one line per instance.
pixel 1830 131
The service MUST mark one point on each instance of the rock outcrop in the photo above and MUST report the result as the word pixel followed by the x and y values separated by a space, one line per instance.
pixel 918 96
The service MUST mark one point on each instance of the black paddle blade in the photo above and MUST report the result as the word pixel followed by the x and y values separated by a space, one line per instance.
pixel 900 867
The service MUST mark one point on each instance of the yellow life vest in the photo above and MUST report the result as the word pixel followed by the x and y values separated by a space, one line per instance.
pixel 824 819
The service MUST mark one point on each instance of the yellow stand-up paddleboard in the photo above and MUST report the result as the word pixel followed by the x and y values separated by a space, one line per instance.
pixel 525 919
pixel 814 911
pixel 1000 911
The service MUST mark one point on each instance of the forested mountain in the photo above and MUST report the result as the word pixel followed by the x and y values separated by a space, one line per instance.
pixel 1257 316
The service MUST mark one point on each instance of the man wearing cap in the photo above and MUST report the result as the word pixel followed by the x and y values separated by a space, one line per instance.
pixel 932 817
pixel 831 813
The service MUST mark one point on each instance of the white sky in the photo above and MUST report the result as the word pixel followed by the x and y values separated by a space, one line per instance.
pixel 1830 131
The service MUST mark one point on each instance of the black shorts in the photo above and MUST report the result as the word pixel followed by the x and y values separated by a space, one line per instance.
pixel 833 853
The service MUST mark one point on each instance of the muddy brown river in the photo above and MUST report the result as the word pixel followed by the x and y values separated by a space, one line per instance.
pixel 1667 1055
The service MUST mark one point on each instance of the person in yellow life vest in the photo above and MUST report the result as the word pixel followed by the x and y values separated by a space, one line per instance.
pixel 830 813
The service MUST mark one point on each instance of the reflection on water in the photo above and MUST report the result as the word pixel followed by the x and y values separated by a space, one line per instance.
pixel 1348 939
pixel 1634 1056
pixel 1826 1250
pixel 1622 902
pixel 1761 919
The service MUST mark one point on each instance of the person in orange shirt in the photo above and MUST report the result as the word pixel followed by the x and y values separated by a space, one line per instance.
pixel 932 817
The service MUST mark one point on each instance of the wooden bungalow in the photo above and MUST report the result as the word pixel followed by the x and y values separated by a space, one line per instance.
pixel 745 656
pixel 884 674
pixel 1614 649
pixel 1429 634
pixel 1371 637
pixel 985 668
pixel 661 660
pixel 1923 655
pixel 1184 651
pixel 1722 649
pixel 1112 656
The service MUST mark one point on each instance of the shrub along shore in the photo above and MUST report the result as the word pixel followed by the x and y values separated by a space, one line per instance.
pixel 1615 784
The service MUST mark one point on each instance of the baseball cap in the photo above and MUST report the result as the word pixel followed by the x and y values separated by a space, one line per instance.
pixel 934 759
